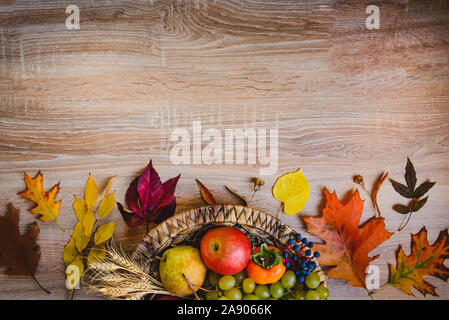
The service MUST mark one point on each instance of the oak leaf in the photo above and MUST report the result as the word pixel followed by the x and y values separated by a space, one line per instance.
pixel 346 243
pixel 18 252
pixel 46 207
pixel 424 260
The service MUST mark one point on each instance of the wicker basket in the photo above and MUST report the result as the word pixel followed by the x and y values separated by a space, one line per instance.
pixel 189 226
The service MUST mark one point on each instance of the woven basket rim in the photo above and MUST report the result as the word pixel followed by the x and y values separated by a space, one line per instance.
pixel 161 236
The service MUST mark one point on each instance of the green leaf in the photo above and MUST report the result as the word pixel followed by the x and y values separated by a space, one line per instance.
pixel 410 175
pixel 419 204
pixel 401 189
pixel 423 188
pixel 104 232
pixel 401 209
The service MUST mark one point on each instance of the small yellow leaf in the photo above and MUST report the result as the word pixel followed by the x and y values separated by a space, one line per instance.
pixel 90 192
pixel 292 189
pixel 46 207
pixel 70 252
pixel 80 208
pixel 88 223
pixel 96 254
pixel 106 206
pixel 104 232
pixel 81 241
pixel 75 272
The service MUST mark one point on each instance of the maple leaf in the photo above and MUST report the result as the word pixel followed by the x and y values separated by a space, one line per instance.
pixel 424 260
pixel 18 252
pixel 346 243
pixel 148 199
pixel 46 207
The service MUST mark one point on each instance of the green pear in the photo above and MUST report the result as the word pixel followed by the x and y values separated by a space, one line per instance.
pixel 177 262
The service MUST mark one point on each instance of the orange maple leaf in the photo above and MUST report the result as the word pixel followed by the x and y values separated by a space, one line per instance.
pixel 424 260
pixel 46 208
pixel 346 244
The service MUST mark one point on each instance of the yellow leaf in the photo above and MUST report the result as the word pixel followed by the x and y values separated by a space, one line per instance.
pixel 80 208
pixel 70 252
pixel 88 223
pixel 292 189
pixel 81 241
pixel 46 207
pixel 90 192
pixel 96 254
pixel 107 204
pixel 104 232
pixel 75 272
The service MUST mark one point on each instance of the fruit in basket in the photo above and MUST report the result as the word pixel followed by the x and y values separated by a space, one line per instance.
pixel 178 262
pixel 225 250
pixel 313 280
pixel 266 265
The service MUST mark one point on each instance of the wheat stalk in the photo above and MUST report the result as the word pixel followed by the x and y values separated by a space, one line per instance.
pixel 120 277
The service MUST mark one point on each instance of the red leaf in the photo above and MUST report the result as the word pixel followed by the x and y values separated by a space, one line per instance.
pixel 148 200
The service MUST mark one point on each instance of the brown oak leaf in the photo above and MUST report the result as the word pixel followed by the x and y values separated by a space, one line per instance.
pixel 346 243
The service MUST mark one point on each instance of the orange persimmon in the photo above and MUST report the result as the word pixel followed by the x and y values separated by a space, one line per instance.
pixel 268 270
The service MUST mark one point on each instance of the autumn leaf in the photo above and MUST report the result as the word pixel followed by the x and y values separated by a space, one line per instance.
pixel 148 199
pixel 424 260
pixel 292 189
pixel 96 254
pixel 205 193
pixel 347 244
pixel 46 207
pixel 18 252
pixel 88 215
pixel 104 232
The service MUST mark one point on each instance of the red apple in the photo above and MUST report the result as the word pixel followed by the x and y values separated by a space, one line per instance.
pixel 225 250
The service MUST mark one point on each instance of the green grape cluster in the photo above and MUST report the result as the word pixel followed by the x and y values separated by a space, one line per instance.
pixel 242 287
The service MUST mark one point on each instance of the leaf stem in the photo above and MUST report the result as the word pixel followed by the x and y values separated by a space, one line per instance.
pixel 401 227
pixel 59 224
pixel 385 286
pixel 40 286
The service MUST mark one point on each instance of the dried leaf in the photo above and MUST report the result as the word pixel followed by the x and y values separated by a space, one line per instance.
pixel 292 189
pixel 416 205
pixel 104 232
pixel 346 243
pixel 424 260
pixel 205 193
pixel 401 189
pixel 242 198
pixel 148 199
pixel 376 189
pixel 90 192
pixel 410 175
pixel 46 207
pixel 401 209
pixel 77 267
pixel 18 252
pixel 423 189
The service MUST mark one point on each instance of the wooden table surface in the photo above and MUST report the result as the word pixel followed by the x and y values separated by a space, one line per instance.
pixel 105 99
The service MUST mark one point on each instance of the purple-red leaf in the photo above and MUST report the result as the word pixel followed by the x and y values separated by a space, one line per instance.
pixel 148 199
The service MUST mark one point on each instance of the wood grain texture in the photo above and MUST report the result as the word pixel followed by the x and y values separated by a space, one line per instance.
pixel 104 99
